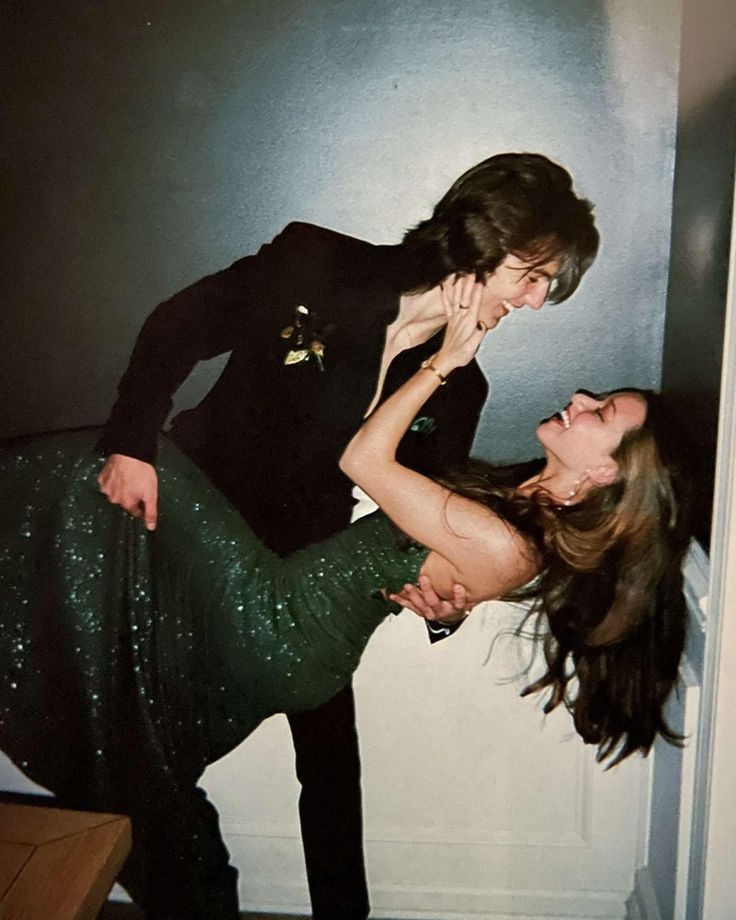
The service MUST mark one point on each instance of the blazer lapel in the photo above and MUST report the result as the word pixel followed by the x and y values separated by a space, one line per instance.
pixel 364 302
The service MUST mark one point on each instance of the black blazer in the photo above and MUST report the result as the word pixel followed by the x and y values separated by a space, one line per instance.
pixel 270 434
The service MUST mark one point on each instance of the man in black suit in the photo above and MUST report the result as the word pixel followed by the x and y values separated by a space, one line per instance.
pixel 322 327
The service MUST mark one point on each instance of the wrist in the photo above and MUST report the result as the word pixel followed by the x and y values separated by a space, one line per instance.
pixel 429 365
pixel 444 364
pixel 439 365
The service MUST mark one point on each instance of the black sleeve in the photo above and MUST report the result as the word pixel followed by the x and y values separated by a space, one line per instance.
pixel 442 436
pixel 439 631
pixel 467 391
pixel 236 306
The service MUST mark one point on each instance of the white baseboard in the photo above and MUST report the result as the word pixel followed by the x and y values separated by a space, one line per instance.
pixel 453 904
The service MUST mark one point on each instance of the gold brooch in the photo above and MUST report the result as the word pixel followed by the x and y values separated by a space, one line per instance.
pixel 299 331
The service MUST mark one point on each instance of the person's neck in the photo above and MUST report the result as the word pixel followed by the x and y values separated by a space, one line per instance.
pixel 420 316
pixel 564 485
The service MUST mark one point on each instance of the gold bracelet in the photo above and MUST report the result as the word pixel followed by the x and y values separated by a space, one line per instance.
pixel 428 366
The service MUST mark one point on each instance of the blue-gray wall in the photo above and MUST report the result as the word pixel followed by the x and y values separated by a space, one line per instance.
pixel 152 143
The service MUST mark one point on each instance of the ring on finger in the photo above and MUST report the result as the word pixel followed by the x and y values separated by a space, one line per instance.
pixel 481 326
pixel 463 306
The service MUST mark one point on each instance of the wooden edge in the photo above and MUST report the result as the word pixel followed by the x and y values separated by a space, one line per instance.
pixel 69 878
pixel 34 825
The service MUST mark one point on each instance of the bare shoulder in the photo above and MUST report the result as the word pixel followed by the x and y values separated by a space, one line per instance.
pixel 490 557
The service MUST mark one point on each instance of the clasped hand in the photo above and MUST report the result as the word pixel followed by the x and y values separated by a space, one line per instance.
pixel 423 600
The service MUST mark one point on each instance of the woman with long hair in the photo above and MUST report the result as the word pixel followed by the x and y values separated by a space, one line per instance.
pixel 593 537
pixel 131 660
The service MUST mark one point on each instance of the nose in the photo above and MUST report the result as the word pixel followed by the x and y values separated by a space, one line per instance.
pixel 583 402
pixel 535 297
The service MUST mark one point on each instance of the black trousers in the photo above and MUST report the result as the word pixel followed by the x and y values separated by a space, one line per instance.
pixel 179 868
pixel 328 768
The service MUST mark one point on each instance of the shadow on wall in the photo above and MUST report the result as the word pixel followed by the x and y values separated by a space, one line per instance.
pixel 697 288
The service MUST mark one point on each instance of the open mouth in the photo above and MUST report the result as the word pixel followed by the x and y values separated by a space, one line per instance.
pixel 563 416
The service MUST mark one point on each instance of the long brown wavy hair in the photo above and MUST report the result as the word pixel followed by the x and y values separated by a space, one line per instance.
pixel 607 606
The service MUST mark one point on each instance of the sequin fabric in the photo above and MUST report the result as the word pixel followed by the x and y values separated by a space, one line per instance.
pixel 131 660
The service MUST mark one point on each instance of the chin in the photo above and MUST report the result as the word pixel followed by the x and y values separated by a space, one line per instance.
pixel 542 432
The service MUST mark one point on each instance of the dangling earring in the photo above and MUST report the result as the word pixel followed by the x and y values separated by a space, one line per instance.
pixel 573 491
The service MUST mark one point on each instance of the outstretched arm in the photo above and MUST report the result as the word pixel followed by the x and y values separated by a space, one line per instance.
pixel 483 552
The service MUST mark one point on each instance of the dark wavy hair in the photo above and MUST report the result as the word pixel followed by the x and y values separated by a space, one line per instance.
pixel 518 204
pixel 608 606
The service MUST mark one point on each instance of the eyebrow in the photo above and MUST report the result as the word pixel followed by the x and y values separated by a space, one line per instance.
pixel 528 269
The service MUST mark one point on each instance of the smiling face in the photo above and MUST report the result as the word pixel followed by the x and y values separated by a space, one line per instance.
pixel 514 284
pixel 584 436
